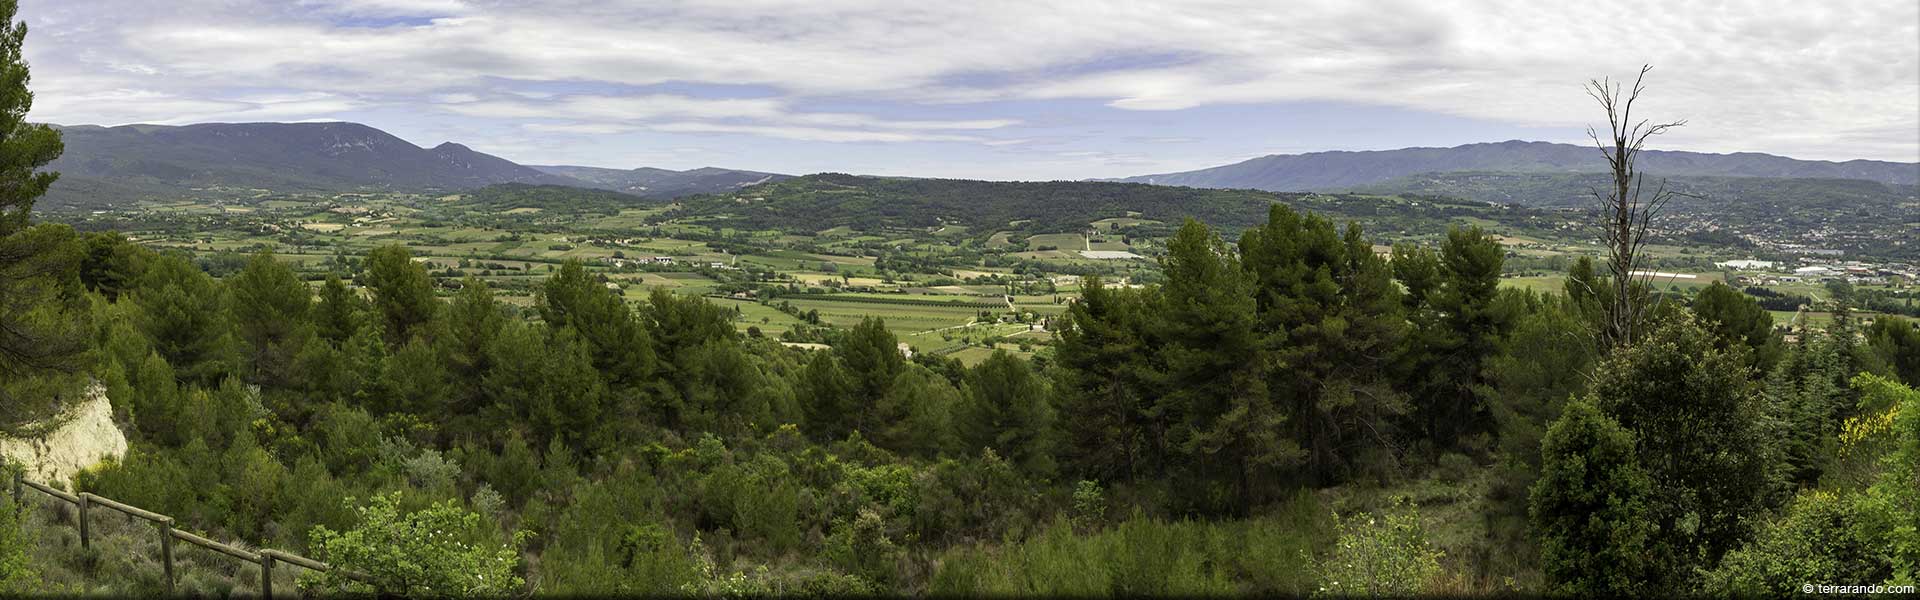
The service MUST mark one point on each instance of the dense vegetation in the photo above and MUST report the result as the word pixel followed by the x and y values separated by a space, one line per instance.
pixel 548 199
pixel 1291 413
pixel 825 201
pixel 658 448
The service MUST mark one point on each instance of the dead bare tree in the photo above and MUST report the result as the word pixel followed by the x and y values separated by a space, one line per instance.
pixel 1627 214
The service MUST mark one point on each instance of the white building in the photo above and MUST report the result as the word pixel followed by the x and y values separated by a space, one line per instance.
pixel 1746 265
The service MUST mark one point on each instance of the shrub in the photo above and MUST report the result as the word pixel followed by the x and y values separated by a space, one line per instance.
pixel 1089 505
pixel 427 552
pixel 861 548
pixel 1590 506
pixel 1380 555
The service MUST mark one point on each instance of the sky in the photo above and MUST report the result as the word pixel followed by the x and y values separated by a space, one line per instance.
pixel 984 89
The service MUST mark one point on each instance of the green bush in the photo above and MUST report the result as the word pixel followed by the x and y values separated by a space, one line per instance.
pixel 1590 506
pixel 1380 555
pixel 424 553
pixel 861 547
pixel 1089 505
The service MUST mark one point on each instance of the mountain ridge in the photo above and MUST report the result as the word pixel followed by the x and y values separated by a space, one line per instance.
pixel 105 166
pixel 1347 169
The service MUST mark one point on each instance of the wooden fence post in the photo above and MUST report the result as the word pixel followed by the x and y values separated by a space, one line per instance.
pixel 166 551
pixel 86 541
pixel 266 574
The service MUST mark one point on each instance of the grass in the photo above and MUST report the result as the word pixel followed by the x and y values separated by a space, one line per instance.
pixel 1065 241
pixel 1270 554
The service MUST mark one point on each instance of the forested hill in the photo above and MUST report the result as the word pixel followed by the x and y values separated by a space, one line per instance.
pixel 828 200
pixel 663 183
pixel 550 199
pixel 1561 190
pixel 1344 170
pixel 113 166
pixel 104 164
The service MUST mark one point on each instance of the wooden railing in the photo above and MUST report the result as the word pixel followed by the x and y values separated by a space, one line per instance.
pixel 85 501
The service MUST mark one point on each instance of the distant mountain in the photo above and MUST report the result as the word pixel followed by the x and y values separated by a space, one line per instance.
pixel 1326 171
pixel 154 160
pixel 1567 190
pixel 664 183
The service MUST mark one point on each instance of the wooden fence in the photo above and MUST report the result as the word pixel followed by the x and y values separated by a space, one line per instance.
pixel 85 501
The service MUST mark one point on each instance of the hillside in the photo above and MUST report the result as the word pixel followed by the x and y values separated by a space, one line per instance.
pixel 663 183
pixel 1565 190
pixel 1344 170
pixel 106 164
pixel 828 200
pixel 549 199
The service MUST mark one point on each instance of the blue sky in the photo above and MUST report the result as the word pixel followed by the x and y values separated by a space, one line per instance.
pixel 985 89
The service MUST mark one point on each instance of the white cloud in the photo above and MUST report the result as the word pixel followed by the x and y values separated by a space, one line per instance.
pixel 1823 80
pixel 597 114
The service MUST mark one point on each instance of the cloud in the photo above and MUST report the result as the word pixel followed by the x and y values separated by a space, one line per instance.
pixel 772 117
pixel 1834 80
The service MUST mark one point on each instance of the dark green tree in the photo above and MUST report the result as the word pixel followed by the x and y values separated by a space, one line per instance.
pixel 270 310
pixel 1222 419
pixel 620 345
pixel 916 418
pixel 1736 318
pixel 1592 507
pixel 1894 345
pixel 1009 409
pixel 827 397
pixel 1457 329
pixel 41 329
pixel 474 321
pixel 1700 431
pixel 872 358
pixel 402 293
pixel 1104 387
pixel 184 313
pixel 1332 319
pixel 340 313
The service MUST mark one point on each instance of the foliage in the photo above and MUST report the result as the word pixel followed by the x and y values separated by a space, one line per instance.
pixel 430 552
pixel 1699 431
pixel 16 574
pixel 1736 318
pixel 402 293
pixel 1591 506
pixel 1379 555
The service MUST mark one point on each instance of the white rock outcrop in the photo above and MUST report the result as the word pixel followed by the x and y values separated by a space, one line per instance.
pixel 85 436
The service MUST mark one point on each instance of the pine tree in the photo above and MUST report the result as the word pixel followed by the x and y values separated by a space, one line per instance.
pixel 621 348
pixel 402 293
pixel 1102 383
pixel 270 309
pixel 1222 419
pixel 872 357
pixel 1457 327
pixel 474 321
pixel 1736 318
pixel 184 312
pixel 41 308
pixel 916 418
pixel 340 313
pixel 1010 410
pixel 1332 319
pixel 827 397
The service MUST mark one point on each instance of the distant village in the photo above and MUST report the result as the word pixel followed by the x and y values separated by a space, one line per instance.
pixel 1768 272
